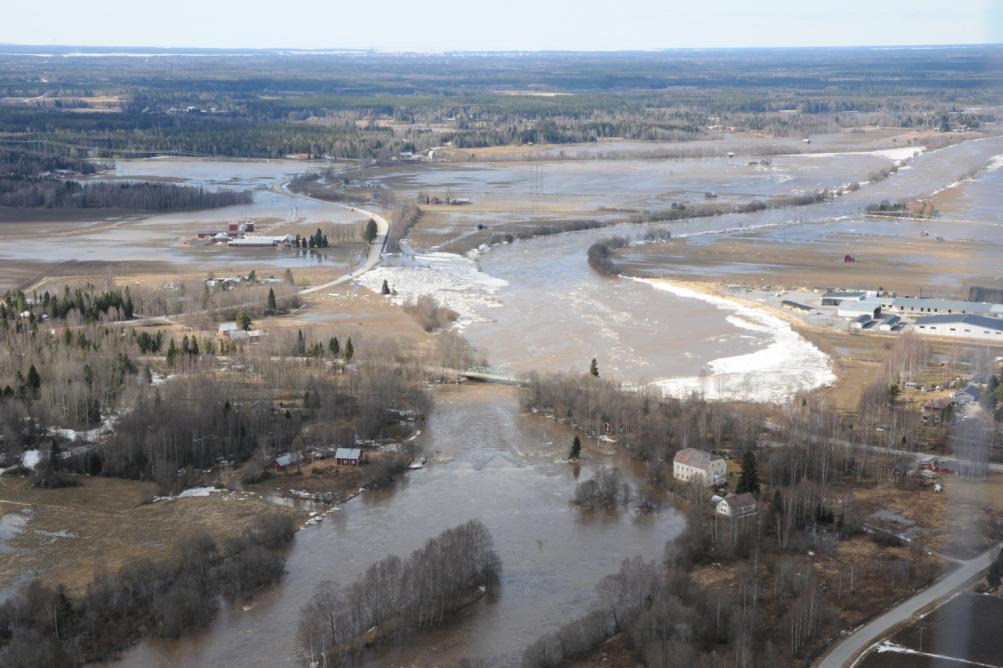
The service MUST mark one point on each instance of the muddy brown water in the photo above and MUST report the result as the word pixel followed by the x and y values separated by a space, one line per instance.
pixel 556 313
pixel 491 462
pixel 501 467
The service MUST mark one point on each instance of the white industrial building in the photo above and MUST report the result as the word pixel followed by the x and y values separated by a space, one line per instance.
pixel 692 464
pixel 261 241
pixel 920 306
pixel 961 327
pixel 852 309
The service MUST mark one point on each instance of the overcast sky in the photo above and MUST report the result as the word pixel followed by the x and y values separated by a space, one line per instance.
pixel 434 25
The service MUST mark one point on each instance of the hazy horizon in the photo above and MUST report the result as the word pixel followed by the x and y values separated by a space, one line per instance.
pixel 180 50
pixel 521 25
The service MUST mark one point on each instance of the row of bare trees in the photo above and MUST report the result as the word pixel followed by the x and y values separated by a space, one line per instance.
pixel 42 626
pixel 395 596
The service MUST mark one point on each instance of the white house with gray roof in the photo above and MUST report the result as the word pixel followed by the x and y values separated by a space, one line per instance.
pixel 700 465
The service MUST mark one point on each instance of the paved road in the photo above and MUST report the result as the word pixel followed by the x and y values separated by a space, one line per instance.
pixel 847 651
pixel 376 248
pixel 375 256
pixel 947 460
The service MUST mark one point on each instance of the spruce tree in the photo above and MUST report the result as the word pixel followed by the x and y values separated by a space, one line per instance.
pixel 386 287
pixel 576 449
pixel 271 305
pixel 749 480
pixel 334 346
pixel 594 368
pixel 34 382
pixel 349 350
pixel 243 320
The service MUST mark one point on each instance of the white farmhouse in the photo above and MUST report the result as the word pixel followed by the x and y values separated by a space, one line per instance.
pixel 737 505
pixel 692 464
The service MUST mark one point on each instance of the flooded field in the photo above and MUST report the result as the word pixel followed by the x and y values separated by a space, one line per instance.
pixel 132 241
pixel 966 631
pixel 639 184
pixel 489 462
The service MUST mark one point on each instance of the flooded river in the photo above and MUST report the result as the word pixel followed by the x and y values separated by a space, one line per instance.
pixel 536 304
pixel 492 463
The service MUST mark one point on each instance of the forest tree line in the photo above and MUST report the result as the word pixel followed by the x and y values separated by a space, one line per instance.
pixel 57 194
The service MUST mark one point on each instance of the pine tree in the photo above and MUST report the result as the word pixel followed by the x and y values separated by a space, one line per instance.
pixel 576 449
pixel 271 305
pixel 172 352
pixel 334 346
pixel 349 350
pixel 594 369
pixel 749 480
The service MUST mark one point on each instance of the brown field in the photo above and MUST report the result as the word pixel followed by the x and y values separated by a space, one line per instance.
pixel 961 521
pixel 69 534
pixel 880 262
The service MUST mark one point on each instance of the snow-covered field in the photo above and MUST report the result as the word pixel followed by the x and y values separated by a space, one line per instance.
pixel 787 365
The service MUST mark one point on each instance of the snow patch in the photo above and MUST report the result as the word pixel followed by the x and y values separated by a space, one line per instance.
pixel 105 427
pixel 787 365
pixel 189 493
pixel 30 458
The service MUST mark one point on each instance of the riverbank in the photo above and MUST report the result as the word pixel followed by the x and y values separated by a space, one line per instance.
pixel 65 536
pixel 787 365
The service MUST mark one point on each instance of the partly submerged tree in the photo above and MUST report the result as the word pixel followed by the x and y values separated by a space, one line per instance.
pixel 594 368
pixel 576 449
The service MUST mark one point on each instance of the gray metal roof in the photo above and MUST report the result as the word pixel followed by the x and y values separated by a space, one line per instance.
pixel 348 453
pixel 966 319
pixel 696 458
pixel 843 294
pixel 945 305
pixel 288 458
pixel 859 307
